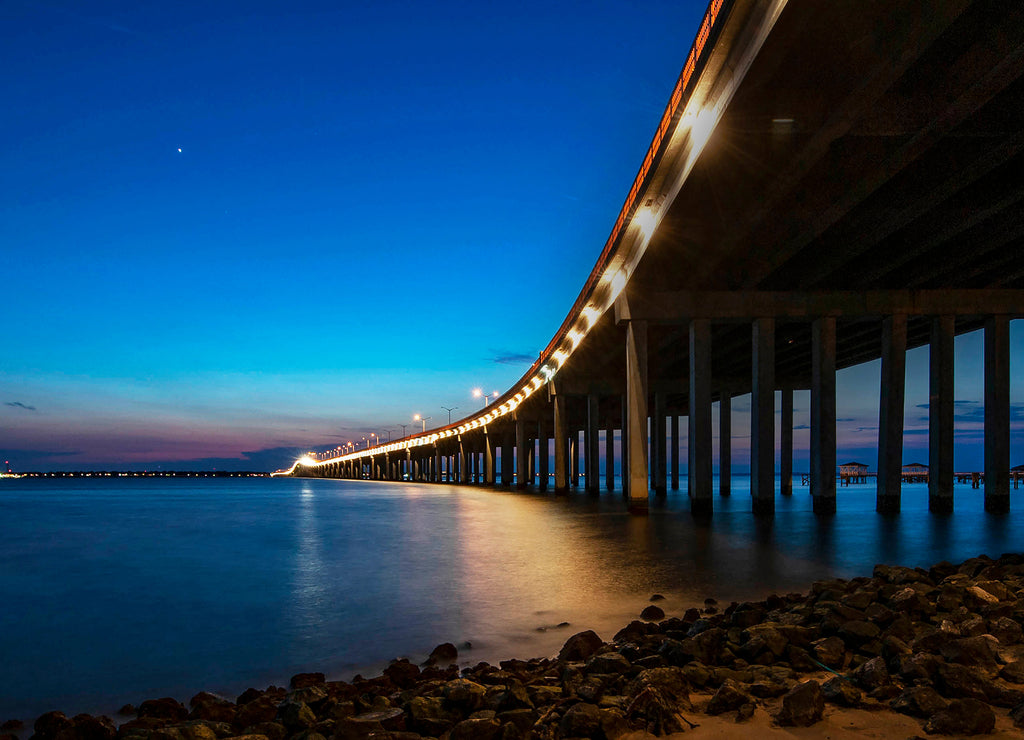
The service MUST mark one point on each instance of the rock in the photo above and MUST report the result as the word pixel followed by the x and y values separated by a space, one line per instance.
pixel 802 706
pixel 248 695
pixel 980 596
pixel 475 729
pixel 917 666
pixel 635 631
pixel 296 715
pixel 1007 631
pixel 402 673
pixel 127 709
pixel 613 723
pixel 657 696
pixel 1017 715
pixel 919 701
pixel 614 663
pixel 707 646
pixel 729 696
pixel 652 613
pixel 1013 672
pixel 443 654
pixel 48 726
pixel 581 720
pixel 212 708
pixel 365 725
pixel 972 651
pixel 463 695
pixel 857 631
pixel 521 719
pixel 962 716
pixel 427 716
pixel 958 682
pixel 165 708
pixel 269 730
pixel 831 651
pixel 838 690
pixel 303 680
pixel 871 674
pixel 263 709
pixel 657 597
pixel 745 712
pixel 580 646
pixel 12 725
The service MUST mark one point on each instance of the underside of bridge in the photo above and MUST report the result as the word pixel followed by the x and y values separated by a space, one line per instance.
pixel 859 194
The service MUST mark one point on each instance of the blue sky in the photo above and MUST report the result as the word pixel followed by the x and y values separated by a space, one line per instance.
pixel 234 231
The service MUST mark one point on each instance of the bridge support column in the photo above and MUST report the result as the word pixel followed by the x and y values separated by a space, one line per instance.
pixel 574 458
pixel 624 448
pixel 674 452
pixel 700 466
pixel 464 464
pixel 823 415
pixel 507 458
pixel 609 456
pixel 940 415
pixel 786 444
pixel 561 446
pixel 997 414
pixel 522 455
pixel 490 478
pixel 593 444
pixel 762 418
pixel 635 424
pixel 658 446
pixel 543 465
pixel 724 442
pixel 890 417
pixel 436 477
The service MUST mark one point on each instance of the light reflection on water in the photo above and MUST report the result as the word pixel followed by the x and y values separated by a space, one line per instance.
pixel 121 590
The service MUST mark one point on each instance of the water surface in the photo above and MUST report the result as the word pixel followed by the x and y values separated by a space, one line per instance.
pixel 118 590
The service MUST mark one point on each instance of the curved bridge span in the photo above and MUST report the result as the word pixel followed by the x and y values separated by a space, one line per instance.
pixel 830 183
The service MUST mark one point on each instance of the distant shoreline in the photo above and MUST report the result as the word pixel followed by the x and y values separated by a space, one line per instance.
pixel 147 474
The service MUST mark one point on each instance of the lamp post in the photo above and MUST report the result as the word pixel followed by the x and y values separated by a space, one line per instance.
pixel 403 429
pixel 423 420
pixel 477 393
pixel 449 410
pixel 388 432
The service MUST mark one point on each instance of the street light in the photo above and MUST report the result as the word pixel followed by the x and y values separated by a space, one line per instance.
pixel 403 429
pixel 477 393
pixel 449 410
pixel 423 420
pixel 388 432
pixel 374 434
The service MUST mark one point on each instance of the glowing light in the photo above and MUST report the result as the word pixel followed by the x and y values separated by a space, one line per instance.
pixel 646 220
pixel 701 127
pixel 574 337
pixel 591 314
pixel 618 282
pixel 560 357
pixel 306 460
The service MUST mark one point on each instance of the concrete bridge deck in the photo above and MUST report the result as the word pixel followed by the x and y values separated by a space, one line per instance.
pixel 830 183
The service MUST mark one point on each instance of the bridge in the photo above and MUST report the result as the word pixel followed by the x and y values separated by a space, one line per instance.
pixel 830 183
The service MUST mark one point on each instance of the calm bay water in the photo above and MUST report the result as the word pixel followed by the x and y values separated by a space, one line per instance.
pixel 118 590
